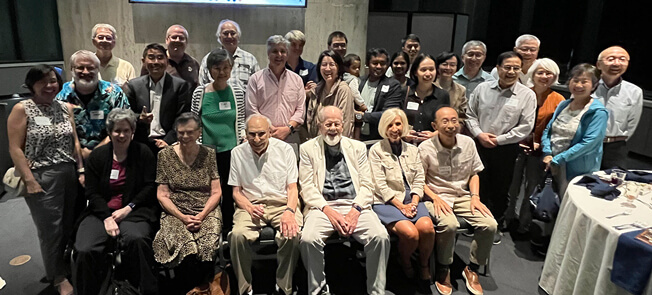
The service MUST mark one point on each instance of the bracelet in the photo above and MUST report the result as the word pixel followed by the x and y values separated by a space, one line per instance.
pixel 474 195
pixel 81 170
pixel 357 207
pixel 289 209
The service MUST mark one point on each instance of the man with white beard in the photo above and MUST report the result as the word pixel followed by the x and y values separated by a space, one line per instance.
pixel 92 98
pixel 336 186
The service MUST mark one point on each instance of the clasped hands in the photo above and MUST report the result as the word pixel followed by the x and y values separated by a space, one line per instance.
pixel 345 225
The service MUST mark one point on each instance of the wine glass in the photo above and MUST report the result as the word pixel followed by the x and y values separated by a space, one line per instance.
pixel 631 193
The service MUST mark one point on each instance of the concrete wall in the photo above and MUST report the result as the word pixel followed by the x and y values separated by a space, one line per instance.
pixel 140 24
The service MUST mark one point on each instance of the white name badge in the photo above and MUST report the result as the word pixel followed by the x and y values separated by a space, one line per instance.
pixel 445 170
pixel 97 115
pixel 385 88
pixel 303 72
pixel 512 102
pixel 42 121
pixel 412 106
pixel 114 174
pixel 225 106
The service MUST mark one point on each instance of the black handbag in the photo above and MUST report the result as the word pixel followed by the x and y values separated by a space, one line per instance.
pixel 545 201
pixel 112 285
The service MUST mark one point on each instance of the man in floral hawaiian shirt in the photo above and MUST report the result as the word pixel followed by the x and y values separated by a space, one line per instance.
pixel 93 100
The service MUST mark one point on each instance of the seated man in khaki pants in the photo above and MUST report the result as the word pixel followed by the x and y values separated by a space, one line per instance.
pixel 451 163
pixel 335 179
pixel 264 179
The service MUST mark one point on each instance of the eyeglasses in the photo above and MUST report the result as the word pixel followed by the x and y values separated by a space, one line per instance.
pixel 528 49
pixel 87 68
pixel 474 55
pixel 104 37
pixel 510 68
pixel 612 59
pixel 338 45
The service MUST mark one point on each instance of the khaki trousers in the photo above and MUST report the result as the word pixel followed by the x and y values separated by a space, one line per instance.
pixel 369 232
pixel 446 226
pixel 246 231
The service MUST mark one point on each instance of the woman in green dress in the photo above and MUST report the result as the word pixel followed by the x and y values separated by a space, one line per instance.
pixel 221 108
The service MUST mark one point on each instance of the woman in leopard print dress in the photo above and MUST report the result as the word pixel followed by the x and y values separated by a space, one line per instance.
pixel 189 192
pixel 45 150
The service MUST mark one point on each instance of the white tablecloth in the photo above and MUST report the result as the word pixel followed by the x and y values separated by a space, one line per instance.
pixel 583 243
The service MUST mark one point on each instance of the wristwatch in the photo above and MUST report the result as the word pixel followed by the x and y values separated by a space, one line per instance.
pixel 291 128
pixel 358 116
pixel 357 207
pixel 131 205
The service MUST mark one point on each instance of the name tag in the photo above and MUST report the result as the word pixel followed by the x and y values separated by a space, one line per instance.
pixel 412 106
pixel 97 115
pixel 385 88
pixel 445 170
pixel 512 102
pixel 114 174
pixel 303 72
pixel 42 121
pixel 225 106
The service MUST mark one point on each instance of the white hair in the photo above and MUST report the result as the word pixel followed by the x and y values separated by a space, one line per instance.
pixel 295 35
pixel 83 54
pixel 546 64
pixel 474 43
pixel 106 26
pixel 269 122
pixel 526 37
pixel 185 32
pixel 276 40
pixel 219 28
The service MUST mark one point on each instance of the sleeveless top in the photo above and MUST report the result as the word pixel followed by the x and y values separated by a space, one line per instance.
pixel 49 137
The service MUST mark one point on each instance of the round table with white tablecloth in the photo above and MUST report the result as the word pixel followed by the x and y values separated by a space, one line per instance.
pixel 581 251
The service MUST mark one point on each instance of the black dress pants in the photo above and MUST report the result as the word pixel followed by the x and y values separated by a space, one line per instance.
pixel 614 154
pixel 91 263
pixel 496 178
pixel 223 160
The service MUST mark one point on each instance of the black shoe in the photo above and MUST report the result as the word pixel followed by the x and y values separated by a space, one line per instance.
pixel 423 286
pixel 498 237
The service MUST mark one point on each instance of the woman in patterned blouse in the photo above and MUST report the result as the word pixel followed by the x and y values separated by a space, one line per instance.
pixel 44 147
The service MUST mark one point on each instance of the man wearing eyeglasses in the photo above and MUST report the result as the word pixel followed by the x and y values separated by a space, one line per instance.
pixel 623 100
pixel 92 99
pixel 244 63
pixel 500 114
pixel 528 47
pixel 337 42
pixel 112 68
pixel 471 74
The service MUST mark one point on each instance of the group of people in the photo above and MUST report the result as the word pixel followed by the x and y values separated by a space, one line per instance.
pixel 171 160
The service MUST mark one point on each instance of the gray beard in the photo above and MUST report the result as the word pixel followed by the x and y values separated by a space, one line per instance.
pixel 82 85
pixel 332 141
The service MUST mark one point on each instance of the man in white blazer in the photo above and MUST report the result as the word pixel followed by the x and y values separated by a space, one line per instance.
pixel 336 186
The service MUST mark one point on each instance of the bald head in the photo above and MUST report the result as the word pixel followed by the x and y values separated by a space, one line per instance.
pixel 258 133
pixel 446 122
pixel 613 62
pixel 330 112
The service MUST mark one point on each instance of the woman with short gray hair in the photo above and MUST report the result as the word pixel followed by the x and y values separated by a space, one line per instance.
pixel 220 106
pixel 121 196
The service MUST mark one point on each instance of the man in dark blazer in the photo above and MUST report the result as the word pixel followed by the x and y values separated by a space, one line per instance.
pixel 378 91
pixel 159 98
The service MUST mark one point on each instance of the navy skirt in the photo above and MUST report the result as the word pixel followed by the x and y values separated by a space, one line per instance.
pixel 388 213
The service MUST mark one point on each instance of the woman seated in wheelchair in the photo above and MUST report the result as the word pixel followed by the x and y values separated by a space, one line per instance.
pixel 189 192
pixel 122 210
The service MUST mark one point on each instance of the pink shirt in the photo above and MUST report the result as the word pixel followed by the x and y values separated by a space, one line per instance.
pixel 281 100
